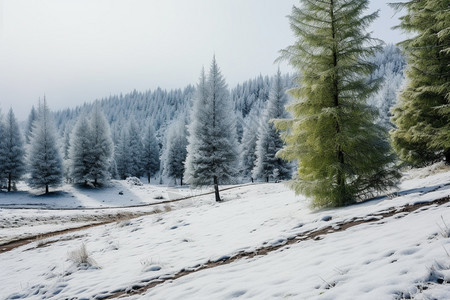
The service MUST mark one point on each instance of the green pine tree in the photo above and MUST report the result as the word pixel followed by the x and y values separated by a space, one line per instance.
pixel 343 156
pixel 422 115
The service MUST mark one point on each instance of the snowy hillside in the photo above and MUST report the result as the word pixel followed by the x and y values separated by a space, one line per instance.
pixel 263 242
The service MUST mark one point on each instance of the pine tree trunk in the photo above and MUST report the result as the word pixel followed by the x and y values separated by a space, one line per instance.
pixel 95 182
pixel 340 179
pixel 148 177
pixel 181 181
pixel 267 179
pixel 9 182
pixel 216 189
pixel 46 188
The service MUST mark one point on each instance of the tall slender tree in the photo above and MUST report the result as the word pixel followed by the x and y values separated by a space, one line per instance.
pixel 14 165
pixel 422 115
pixel 150 156
pixel 248 142
pixel 342 154
pixel 80 147
pixel 267 165
pixel 194 143
pixel 135 149
pixel 212 150
pixel 31 118
pixel 3 153
pixel 45 163
pixel 175 152
pixel 122 156
pixel 65 150
pixel 102 148
pixel 129 152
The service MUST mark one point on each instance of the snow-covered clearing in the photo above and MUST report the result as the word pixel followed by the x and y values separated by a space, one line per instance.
pixel 396 257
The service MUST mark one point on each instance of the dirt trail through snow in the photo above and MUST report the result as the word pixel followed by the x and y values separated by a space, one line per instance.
pixel 120 216
pixel 318 234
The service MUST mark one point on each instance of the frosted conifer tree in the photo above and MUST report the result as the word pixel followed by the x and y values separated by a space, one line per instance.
pixel 212 151
pixel 113 169
pixel 80 151
pixel 150 155
pixel 342 155
pixel 248 144
pixel 200 101
pixel 13 163
pixel 129 152
pixel 135 150
pixel 31 118
pixel 102 148
pixel 269 141
pixel 122 156
pixel 45 163
pixel 389 67
pixel 66 156
pixel 175 151
pixel 2 151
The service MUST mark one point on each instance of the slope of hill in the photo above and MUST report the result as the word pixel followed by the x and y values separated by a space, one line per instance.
pixel 263 242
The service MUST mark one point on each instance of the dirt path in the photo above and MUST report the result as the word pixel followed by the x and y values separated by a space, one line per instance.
pixel 120 216
pixel 133 206
pixel 318 234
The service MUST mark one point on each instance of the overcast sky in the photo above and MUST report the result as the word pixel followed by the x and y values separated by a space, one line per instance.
pixel 75 51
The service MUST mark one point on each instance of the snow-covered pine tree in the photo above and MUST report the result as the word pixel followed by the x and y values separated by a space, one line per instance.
pixel 150 155
pixel 13 163
pixel 66 156
pixel 129 152
pixel 113 168
pixel 2 151
pixel 343 156
pixel 212 151
pixel 175 151
pixel 269 141
pixel 248 143
pixel 122 156
pixel 135 150
pixel 31 118
pixel 389 67
pixel 102 148
pixel 199 102
pixel 45 163
pixel 422 115
pixel 80 151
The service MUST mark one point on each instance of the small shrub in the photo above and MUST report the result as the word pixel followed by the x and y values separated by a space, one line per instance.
pixel 81 257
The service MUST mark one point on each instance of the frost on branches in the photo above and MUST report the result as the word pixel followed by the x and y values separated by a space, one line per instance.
pixel 212 150
pixel 45 163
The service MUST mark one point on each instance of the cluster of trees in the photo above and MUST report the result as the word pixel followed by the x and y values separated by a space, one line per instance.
pixel 12 165
pixel 336 135
pixel 43 162
pixel 86 153
pixel 422 116
pixel 343 153
pixel 95 146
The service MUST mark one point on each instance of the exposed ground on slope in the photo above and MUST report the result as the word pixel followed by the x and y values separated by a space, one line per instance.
pixel 318 234
pixel 99 220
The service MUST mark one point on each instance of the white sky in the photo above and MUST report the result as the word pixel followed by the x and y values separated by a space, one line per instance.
pixel 75 51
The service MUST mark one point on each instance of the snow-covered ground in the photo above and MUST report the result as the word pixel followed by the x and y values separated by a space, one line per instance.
pixel 406 255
